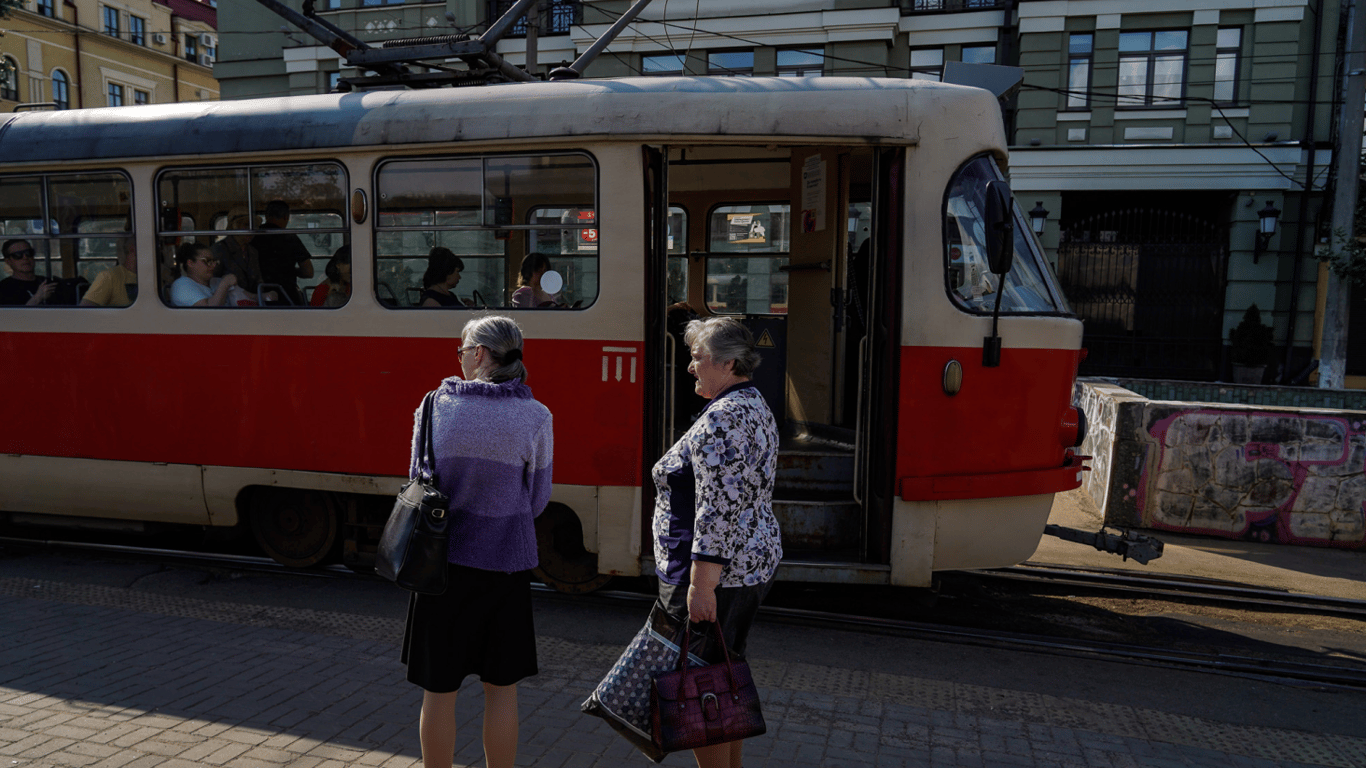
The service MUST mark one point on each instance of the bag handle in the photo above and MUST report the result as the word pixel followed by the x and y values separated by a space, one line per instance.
pixel 426 465
pixel 683 656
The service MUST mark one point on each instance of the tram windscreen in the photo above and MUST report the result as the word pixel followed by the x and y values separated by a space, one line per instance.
pixel 1029 285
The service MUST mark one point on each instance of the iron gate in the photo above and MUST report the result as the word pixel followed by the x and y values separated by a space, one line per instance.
pixel 1149 285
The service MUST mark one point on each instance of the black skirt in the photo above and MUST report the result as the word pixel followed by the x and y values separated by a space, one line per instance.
pixel 481 626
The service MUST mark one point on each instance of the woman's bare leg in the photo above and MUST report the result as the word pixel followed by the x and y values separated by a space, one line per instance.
pixel 436 729
pixel 500 725
pixel 728 755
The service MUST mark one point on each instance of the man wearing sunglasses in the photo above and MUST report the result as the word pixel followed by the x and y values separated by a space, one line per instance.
pixel 23 287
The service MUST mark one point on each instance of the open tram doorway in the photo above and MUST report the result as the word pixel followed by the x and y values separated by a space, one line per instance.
pixel 786 240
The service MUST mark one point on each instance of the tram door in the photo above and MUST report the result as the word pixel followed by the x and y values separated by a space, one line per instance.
pixel 767 235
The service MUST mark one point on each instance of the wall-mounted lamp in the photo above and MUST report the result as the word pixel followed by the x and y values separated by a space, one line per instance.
pixel 1269 215
pixel 1037 217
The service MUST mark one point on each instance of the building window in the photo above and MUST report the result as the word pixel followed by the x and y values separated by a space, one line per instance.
pixel 1152 68
pixel 801 62
pixel 45 8
pixel 380 2
pixel 927 63
pixel 557 16
pixel 137 30
pixel 61 89
pixel 662 65
pixel 730 63
pixel 1079 71
pixel 979 54
pixel 1227 52
pixel 9 79
pixel 211 47
pixel 333 80
pixel 141 97
pixel 115 95
pixel 111 20
pixel 192 48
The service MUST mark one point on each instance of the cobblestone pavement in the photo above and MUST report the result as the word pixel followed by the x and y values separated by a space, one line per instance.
pixel 118 678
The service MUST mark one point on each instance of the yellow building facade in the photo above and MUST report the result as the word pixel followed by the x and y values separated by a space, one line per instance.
pixel 92 53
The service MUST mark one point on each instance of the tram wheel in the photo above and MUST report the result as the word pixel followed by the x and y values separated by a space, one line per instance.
pixel 296 528
pixel 565 565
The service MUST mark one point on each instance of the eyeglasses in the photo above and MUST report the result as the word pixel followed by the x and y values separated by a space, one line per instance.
pixel 209 261
pixel 27 253
pixel 461 352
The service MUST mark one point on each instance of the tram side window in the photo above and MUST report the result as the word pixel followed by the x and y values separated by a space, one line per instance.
pixel 747 247
pixel 61 232
pixel 460 232
pixel 253 236
pixel 678 255
pixel 1029 286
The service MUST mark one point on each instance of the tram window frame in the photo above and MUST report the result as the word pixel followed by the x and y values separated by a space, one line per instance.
pixel 780 257
pixel 496 215
pixel 676 254
pixel 64 250
pixel 1029 258
pixel 215 228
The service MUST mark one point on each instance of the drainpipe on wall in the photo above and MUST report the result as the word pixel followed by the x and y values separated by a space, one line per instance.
pixel 1308 143
pixel 76 51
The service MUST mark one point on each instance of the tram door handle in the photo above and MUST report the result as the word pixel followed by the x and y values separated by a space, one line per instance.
pixel 839 299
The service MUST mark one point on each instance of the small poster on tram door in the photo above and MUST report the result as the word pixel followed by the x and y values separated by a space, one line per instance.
pixel 588 234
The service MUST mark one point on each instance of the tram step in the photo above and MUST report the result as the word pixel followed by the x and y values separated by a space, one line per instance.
pixel 815 471
pixel 818 524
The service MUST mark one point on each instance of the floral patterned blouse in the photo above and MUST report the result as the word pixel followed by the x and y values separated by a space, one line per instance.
pixel 714 493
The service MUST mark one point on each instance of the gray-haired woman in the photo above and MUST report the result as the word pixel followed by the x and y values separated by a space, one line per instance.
pixel 716 541
pixel 493 443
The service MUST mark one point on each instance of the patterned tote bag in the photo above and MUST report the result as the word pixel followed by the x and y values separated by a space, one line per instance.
pixel 623 696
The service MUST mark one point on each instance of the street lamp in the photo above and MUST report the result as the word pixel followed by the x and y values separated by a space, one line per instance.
pixel 1269 215
pixel 1037 217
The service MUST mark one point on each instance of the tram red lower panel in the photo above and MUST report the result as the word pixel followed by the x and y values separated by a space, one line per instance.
pixel 326 404
pixel 1004 421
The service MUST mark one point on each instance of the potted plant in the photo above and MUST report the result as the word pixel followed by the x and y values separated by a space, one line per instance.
pixel 1251 347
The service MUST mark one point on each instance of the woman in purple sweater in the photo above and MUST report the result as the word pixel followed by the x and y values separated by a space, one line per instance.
pixel 493 444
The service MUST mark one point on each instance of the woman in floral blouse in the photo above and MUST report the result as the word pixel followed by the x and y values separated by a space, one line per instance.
pixel 716 542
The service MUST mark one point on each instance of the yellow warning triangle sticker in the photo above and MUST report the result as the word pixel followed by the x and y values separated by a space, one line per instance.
pixel 765 341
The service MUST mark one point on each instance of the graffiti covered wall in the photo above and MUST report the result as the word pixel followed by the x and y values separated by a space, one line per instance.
pixel 1294 476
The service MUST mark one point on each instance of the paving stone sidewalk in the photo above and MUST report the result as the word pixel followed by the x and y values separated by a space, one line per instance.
pixel 119 678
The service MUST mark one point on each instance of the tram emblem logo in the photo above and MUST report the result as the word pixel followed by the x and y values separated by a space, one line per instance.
pixel 618 354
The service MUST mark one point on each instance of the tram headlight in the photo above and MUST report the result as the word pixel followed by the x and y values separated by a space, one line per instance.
pixel 1072 431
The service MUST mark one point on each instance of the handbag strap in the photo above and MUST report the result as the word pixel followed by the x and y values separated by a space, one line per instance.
pixel 426 464
pixel 725 654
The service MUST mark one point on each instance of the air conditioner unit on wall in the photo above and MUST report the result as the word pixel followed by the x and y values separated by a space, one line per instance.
pixel 206 39
pixel 158 38
pixel 206 60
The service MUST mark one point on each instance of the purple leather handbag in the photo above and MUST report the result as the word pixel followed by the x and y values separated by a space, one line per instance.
pixel 695 707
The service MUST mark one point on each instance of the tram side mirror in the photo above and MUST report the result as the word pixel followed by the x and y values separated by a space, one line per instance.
pixel 1000 227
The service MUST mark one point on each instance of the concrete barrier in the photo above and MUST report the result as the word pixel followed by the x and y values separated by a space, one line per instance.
pixel 1293 475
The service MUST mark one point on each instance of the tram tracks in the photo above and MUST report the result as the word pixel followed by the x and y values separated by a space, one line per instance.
pixel 1279 670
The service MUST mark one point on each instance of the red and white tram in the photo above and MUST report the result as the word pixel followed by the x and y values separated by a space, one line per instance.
pixel 846 220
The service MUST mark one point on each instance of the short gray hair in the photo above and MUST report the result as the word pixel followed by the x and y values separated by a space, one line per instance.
pixel 723 339
pixel 500 336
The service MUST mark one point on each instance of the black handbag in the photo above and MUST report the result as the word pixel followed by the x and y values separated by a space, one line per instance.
pixel 413 550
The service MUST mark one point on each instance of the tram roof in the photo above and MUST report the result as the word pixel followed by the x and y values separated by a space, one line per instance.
pixel 872 109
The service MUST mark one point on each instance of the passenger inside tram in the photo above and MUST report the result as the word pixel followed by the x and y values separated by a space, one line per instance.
pixel 23 287
pixel 196 286
pixel 336 289
pixel 529 292
pixel 284 257
pixel 116 286
pixel 440 279
pixel 236 255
